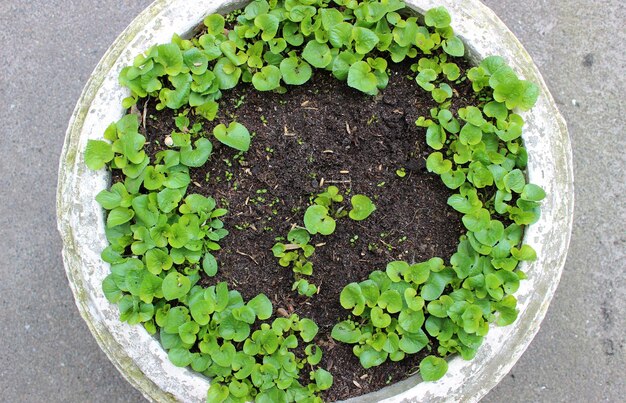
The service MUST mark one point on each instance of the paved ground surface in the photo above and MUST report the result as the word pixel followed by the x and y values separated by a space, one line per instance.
pixel 50 48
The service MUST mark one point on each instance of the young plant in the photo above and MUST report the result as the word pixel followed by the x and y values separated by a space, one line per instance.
pixel 296 254
pixel 362 207
pixel 318 220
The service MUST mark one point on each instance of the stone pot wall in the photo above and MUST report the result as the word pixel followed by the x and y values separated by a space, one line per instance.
pixel 139 356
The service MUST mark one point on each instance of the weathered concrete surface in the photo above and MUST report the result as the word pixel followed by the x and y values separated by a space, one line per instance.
pixel 49 49
pixel 579 354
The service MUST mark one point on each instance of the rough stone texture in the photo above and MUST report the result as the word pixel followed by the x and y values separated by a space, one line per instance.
pixel 47 354
pixel 579 355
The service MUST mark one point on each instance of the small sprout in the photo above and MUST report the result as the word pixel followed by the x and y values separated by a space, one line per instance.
pixel 327 198
pixel 381 184
pixel 239 101
pixel 304 288
pixel 353 240
pixel 401 172
pixel 263 120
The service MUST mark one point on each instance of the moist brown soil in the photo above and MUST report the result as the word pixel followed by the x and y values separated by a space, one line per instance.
pixel 312 136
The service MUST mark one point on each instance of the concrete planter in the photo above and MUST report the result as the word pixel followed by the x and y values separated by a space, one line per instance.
pixel 141 359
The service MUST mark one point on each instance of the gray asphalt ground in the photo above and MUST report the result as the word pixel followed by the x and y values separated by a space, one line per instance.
pixel 47 52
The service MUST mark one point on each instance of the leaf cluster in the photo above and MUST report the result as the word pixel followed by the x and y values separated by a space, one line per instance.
pixel 280 42
pixel 295 254
pixel 319 218
pixel 160 238
pixel 479 153
pixel 210 330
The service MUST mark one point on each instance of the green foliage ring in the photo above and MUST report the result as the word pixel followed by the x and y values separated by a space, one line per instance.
pixel 160 236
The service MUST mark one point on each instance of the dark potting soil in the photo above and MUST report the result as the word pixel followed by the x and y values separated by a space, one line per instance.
pixel 319 134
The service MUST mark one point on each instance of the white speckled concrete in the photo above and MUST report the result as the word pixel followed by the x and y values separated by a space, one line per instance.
pixel 140 358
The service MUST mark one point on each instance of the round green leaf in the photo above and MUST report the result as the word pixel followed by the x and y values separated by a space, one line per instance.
pixel 470 134
pixel 437 164
pixel 196 61
pixel 268 23
pixel 97 154
pixel 453 179
pixel 360 76
pixel 454 47
pixel 196 157
pixel 515 181
pixel 201 311
pixel 433 368
pixel 316 219
pixel 435 137
pixel 390 300
pixel 214 24
pixel 346 332
pixel 168 199
pixel 181 357
pixel 235 136
pixel 364 40
pixel 261 306
pixel 119 216
pixel 526 252
pixel 437 17
pixel 175 285
pixel 157 261
pixel 371 358
pixel 323 379
pixel 266 79
pixel 171 57
pixel 226 73
pixel 410 320
pixel 380 318
pixel 295 71
pixel 308 329
pixel 217 392
pixel 352 297
pixel 317 54
pixel 532 192
pixel 477 220
pixel 362 207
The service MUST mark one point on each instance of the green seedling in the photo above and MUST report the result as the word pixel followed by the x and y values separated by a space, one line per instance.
pixel 362 207
pixel 235 135
pixel 296 254
pixel 318 220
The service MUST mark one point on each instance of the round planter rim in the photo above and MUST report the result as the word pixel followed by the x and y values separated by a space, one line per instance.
pixel 139 356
